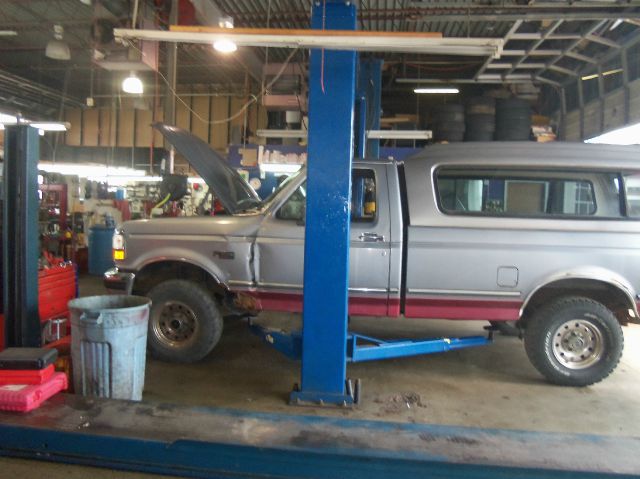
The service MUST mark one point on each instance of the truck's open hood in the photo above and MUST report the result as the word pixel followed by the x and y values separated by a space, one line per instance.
pixel 227 185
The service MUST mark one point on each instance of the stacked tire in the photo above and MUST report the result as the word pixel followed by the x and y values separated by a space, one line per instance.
pixel 448 123
pixel 480 119
pixel 513 120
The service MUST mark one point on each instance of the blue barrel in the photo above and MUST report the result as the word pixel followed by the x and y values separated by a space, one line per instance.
pixel 100 253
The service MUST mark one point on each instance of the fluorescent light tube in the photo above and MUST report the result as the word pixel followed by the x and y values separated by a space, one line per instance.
pixel 437 90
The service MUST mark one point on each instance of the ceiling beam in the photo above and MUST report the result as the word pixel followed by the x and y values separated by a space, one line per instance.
pixel 549 31
pixel 519 66
pixel 526 17
pixel 507 37
pixel 563 70
pixel 630 41
pixel 539 35
pixel 594 27
pixel 581 57
pixel 602 41
pixel 409 42
pixel 535 53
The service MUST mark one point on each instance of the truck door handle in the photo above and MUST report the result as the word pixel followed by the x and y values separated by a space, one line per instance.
pixel 371 237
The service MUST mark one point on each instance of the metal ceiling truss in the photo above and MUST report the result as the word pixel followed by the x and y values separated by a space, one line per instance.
pixel 22 95
pixel 610 55
pixel 551 56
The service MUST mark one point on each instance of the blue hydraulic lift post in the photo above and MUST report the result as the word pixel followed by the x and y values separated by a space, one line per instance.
pixel 369 106
pixel 20 236
pixel 326 262
pixel 361 129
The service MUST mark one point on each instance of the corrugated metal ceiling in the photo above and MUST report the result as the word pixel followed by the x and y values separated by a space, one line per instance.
pixel 33 20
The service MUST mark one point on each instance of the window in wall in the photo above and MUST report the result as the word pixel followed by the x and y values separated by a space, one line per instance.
pixel 612 74
pixel 590 89
pixel 363 199
pixel 633 61
pixel 526 193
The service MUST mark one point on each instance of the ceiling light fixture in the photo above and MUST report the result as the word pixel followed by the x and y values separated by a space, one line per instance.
pixel 604 74
pixel 6 119
pixel 132 84
pixel 437 90
pixel 225 45
pixel 57 48
pixel 50 126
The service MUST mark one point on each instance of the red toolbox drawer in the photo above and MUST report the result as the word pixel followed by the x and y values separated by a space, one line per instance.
pixel 56 287
pixel 26 376
pixel 23 397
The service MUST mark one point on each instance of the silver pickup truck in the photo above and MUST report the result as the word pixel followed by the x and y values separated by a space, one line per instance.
pixel 544 236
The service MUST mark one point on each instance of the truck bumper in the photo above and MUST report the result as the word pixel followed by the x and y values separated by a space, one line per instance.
pixel 118 282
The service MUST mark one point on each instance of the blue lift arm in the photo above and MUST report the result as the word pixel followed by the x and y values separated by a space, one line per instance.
pixel 366 348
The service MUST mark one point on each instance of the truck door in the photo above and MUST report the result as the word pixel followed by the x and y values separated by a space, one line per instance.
pixel 280 247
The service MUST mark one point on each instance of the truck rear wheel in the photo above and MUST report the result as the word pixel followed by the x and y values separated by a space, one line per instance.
pixel 184 322
pixel 574 341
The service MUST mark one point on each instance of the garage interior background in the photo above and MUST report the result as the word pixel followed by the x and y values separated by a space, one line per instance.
pixel 577 64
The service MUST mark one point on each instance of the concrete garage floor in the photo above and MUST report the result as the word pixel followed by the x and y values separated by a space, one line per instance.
pixel 488 387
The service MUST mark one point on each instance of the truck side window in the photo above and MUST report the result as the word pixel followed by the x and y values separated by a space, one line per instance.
pixel 363 195
pixel 363 199
pixel 632 190
pixel 293 208
pixel 527 193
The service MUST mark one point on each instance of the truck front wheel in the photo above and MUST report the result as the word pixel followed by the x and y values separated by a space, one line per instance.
pixel 574 341
pixel 184 323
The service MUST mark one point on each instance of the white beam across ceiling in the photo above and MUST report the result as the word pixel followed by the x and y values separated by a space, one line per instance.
pixel 534 53
pixel 334 40
pixel 508 66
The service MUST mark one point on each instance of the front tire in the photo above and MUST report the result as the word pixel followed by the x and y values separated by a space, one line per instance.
pixel 574 341
pixel 184 322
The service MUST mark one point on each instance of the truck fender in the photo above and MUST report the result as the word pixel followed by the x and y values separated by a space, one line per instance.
pixel 595 273
pixel 183 255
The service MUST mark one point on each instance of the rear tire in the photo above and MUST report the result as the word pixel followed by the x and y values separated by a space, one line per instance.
pixel 185 322
pixel 574 341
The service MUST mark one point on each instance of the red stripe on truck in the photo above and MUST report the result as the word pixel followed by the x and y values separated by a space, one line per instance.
pixel 439 308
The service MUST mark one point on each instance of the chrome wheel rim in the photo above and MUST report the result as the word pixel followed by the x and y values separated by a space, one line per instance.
pixel 175 324
pixel 578 344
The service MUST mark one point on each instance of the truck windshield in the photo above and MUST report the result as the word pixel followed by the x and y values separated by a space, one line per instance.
pixel 282 184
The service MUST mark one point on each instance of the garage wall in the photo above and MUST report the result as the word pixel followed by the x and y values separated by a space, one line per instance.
pixel 572 126
pixel 127 126
pixel 603 116
pixel 634 101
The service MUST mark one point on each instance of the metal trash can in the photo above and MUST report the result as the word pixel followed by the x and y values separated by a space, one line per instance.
pixel 108 345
